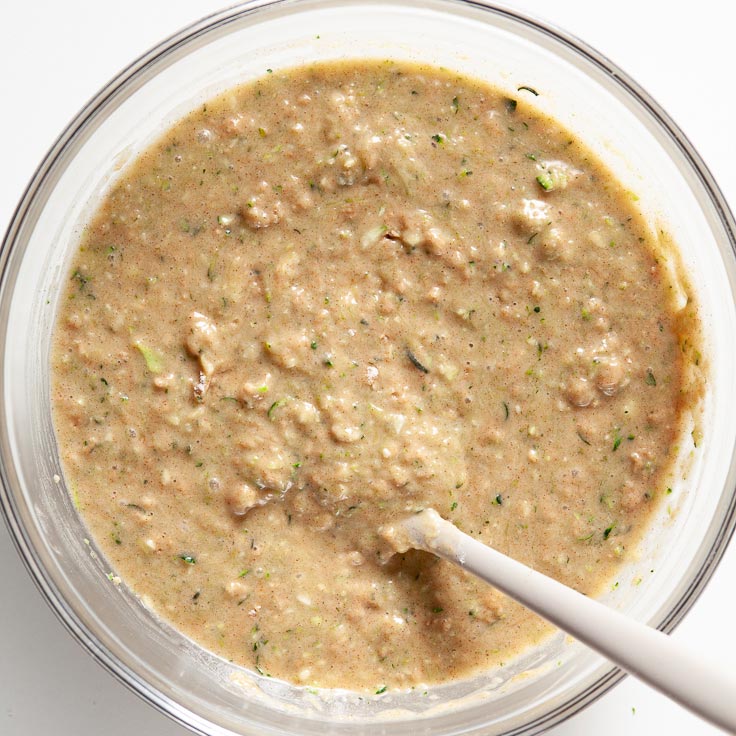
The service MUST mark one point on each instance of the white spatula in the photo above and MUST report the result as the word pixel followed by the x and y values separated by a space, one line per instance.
pixel 683 675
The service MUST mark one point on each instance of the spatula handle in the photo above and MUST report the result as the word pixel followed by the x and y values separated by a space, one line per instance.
pixel 682 674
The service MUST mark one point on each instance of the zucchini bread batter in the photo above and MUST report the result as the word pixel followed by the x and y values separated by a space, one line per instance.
pixel 336 296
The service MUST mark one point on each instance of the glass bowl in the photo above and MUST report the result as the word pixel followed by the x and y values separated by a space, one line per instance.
pixel 581 89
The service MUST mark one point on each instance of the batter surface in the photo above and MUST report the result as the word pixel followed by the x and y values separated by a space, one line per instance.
pixel 339 295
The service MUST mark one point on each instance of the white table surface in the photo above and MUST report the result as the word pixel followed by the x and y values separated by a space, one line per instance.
pixel 55 55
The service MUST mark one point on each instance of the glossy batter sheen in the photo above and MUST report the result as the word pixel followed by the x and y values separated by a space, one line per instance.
pixel 337 296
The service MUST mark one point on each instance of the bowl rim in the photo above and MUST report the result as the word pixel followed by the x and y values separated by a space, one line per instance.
pixel 125 81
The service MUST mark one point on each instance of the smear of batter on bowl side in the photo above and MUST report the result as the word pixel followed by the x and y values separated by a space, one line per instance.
pixel 338 295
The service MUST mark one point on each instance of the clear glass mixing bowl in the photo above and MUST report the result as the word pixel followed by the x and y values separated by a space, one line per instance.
pixel 589 95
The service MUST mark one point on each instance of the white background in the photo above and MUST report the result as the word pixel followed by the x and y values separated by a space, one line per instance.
pixel 55 55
